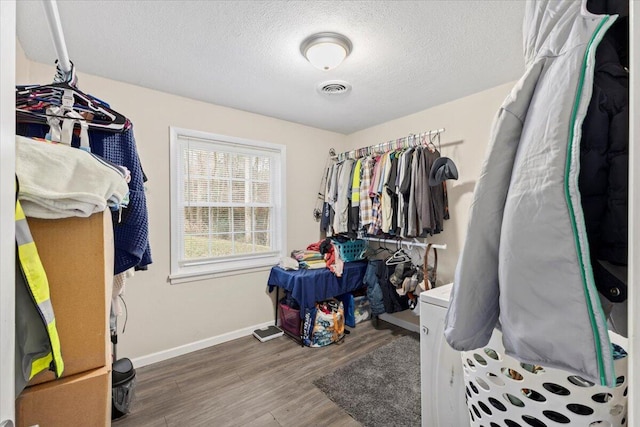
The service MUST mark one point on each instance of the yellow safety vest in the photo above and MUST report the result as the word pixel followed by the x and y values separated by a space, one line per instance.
pixel 35 280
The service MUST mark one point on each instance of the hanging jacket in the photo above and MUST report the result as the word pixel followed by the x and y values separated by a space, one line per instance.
pixel 439 202
pixel 525 261
pixel 604 155
pixel 37 341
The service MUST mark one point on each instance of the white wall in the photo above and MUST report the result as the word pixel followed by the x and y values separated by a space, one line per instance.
pixel 22 66
pixel 467 122
pixel 164 316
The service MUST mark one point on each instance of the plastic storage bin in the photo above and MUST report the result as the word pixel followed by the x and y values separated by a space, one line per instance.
pixel 502 392
pixel 362 308
pixel 351 250
pixel 289 319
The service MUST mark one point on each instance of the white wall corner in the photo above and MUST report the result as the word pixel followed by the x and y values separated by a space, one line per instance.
pixel 23 65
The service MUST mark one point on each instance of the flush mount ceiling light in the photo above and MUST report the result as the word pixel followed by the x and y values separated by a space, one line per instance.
pixel 326 51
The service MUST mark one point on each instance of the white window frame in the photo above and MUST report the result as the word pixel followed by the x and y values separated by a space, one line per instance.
pixel 236 264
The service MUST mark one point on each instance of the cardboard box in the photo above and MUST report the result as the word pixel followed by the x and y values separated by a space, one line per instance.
pixel 79 400
pixel 77 255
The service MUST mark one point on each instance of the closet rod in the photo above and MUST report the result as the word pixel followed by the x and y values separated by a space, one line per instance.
pixel 346 154
pixel 53 17
pixel 407 243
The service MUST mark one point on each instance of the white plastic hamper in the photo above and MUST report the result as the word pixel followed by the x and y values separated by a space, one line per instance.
pixel 501 392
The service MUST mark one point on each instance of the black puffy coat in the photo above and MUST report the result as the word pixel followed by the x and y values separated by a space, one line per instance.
pixel 604 155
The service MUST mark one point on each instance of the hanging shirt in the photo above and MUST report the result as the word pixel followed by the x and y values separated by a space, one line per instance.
pixel 375 179
pixel 424 205
pixel 333 187
pixel 327 209
pixel 412 213
pixel 355 185
pixel 374 226
pixel 342 202
pixel 384 160
pixel 354 213
pixel 366 215
pixel 334 195
pixel 385 197
pixel 327 183
pixel 404 190
pixel 391 189
pixel 131 228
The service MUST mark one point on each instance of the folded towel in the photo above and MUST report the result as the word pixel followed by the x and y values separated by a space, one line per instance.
pixel 302 255
pixel 313 264
pixel 58 181
pixel 314 261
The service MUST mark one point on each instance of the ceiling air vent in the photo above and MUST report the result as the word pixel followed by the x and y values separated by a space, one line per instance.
pixel 334 87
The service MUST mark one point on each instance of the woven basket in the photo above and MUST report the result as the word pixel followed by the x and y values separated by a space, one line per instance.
pixel 351 250
pixel 501 392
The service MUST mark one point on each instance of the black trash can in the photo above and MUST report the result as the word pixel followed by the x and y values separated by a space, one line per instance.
pixel 123 379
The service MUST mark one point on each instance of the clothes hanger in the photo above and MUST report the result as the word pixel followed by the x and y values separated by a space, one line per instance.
pixel 33 101
pixel 430 146
pixel 423 141
pixel 399 257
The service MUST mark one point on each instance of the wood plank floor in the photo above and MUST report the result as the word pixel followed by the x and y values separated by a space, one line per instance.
pixel 248 383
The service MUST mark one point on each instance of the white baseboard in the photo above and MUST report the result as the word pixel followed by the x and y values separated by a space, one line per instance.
pixel 394 320
pixel 195 346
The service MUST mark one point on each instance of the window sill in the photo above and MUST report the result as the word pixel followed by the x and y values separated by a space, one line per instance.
pixel 176 279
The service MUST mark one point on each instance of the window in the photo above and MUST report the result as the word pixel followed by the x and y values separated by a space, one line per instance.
pixel 227 204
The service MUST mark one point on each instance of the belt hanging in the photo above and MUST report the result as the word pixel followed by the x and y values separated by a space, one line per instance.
pixel 425 267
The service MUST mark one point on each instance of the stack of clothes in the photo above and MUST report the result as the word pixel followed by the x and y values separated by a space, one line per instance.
pixel 320 254
pixel 309 259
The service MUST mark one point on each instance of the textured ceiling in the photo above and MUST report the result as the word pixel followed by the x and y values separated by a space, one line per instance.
pixel 407 55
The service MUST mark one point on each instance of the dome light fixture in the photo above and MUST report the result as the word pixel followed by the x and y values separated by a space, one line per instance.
pixel 326 51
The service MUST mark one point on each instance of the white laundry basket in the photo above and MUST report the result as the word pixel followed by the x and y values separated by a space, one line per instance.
pixel 501 392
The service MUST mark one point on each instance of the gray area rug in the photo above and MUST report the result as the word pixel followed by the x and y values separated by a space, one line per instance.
pixel 381 388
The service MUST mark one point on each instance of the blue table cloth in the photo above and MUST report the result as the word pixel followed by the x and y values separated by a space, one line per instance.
pixel 309 286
